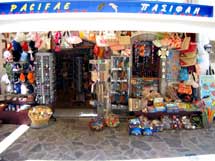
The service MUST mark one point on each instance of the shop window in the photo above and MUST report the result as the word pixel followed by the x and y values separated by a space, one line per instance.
pixel 146 62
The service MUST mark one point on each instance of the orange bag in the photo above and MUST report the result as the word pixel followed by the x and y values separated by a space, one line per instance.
pixel 184 89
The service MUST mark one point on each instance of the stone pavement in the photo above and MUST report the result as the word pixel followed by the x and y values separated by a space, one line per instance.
pixel 6 130
pixel 73 140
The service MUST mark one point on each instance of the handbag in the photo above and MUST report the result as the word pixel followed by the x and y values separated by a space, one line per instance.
pixel 176 41
pixel 192 47
pixel 184 89
pixel 194 82
pixel 124 40
pixel 188 59
pixel 94 76
pixel 185 43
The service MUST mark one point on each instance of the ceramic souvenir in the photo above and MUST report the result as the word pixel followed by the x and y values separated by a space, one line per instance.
pixel 135 131
pixel 166 122
pixel 147 132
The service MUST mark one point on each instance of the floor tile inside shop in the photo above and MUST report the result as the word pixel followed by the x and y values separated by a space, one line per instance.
pixel 72 139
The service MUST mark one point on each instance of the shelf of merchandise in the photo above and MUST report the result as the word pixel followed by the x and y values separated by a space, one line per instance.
pixel 158 115
pixel 13 114
pixel 120 106
pixel 45 78
pixel 12 117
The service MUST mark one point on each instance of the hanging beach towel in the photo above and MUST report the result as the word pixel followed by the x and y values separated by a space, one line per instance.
pixel 57 41
pixel 46 41
pixel 65 43
pixel 38 40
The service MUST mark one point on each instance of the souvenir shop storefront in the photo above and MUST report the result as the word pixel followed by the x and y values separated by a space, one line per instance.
pixel 142 62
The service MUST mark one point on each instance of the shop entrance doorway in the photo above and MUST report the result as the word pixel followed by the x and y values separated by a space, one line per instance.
pixel 73 77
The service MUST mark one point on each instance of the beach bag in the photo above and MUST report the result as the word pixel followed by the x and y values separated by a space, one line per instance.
pixel 184 89
pixel 188 59
pixel 183 74
pixel 185 43
pixel 193 80
pixel 124 40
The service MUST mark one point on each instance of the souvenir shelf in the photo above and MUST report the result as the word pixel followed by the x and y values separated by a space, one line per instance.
pixel 120 78
pixel 45 78
pixel 21 97
pixel 145 60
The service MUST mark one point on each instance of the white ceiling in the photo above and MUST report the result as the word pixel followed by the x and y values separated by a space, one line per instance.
pixel 105 21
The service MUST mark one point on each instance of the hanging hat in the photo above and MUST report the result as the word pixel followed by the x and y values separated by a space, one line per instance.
pixel 20 36
pixel 30 89
pixel 15 78
pixel 25 46
pixel 16 67
pixel 25 66
pixel 24 57
pixel 24 89
pixel 22 77
pixel 5 79
pixel 16 46
pixel 8 68
pixel 32 46
pixel 31 77
pixel 16 55
pixel 9 46
pixel 6 54
pixel 17 88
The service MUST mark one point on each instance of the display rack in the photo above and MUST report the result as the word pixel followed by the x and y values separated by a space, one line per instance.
pixel 45 78
pixel 21 97
pixel 100 70
pixel 120 78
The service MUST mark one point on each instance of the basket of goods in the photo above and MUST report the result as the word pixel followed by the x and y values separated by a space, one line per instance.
pixel 96 124
pixel 40 116
pixel 112 120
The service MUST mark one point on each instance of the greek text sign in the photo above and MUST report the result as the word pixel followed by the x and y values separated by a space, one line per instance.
pixel 118 6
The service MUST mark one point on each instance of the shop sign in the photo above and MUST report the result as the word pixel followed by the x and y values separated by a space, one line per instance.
pixel 107 6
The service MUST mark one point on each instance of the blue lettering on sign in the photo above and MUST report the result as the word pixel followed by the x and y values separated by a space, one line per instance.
pixel 117 6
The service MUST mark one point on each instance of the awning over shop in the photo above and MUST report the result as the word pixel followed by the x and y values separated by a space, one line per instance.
pixel 43 15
